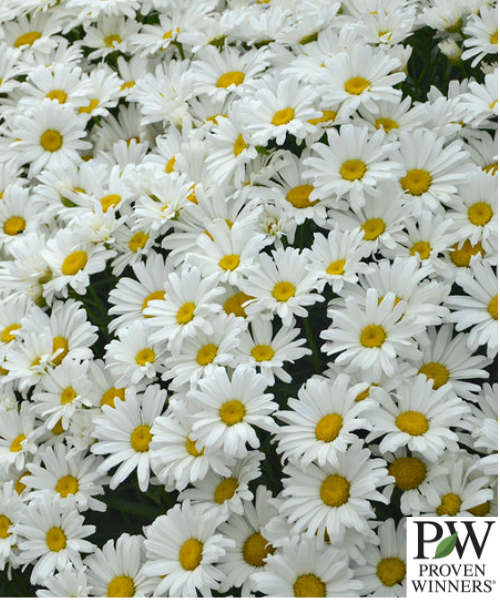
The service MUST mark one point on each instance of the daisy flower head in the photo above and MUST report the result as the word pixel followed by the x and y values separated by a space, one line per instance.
pixel 319 424
pixel 282 285
pixel 373 338
pixel 303 570
pixel 361 77
pixel 484 433
pixel 51 535
pixel 11 507
pixel 419 417
pixel 19 433
pixel 181 549
pixel 226 410
pixel 68 582
pixel 50 134
pixel 351 165
pixel 481 34
pixel 124 433
pixel 331 499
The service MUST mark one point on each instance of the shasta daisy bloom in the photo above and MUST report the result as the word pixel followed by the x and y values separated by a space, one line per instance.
pixel 334 499
pixel 51 535
pixel 49 134
pixel 67 583
pixel 481 34
pixel 481 101
pixel 352 164
pixel 422 420
pixel 447 359
pixel 282 285
pixel 267 352
pixel 361 77
pixel 373 338
pixel 226 494
pixel 11 507
pixel 74 480
pixel 251 547
pixel 432 170
pixel 277 108
pixel 124 433
pixel 320 423
pixel 116 570
pixel 133 358
pixel 19 433
pixel 385 571
pixel 18 215
pixel 338 259
pixel 131 245
pixel 484 430
pixel 226 410
pixel 109 35
pixel 461 492
pixel 479 308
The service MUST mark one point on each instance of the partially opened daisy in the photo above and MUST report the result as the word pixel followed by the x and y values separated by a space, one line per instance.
pixel 422 419
pixel 124 433
pixel 181 549
pixel 226 410
pixel 51 535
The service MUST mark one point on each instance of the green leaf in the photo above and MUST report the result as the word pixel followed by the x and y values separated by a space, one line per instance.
pixel 446 546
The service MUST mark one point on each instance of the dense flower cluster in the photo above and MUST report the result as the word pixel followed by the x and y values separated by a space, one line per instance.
pixel 247 280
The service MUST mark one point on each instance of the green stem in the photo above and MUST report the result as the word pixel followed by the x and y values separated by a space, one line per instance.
pixel 312 345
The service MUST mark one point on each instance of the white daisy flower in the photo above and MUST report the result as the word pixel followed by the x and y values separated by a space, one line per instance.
pixel 481 34
pixel 181 549
pixel 124 432
pixel 68 583
pixel 19 433
pixel 51 536
pixel 481 102
pixel 11 507
pixel 484 432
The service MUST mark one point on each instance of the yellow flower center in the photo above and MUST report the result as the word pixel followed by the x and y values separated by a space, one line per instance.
pixel 144 356
pixel 239 145
pixel 356 85
pixel 408 471
pixel 55 539
pixel 334 490
pixel 353 169
pixel 326 117
pixel 255 549
pixel 450 505
pixel 391 571
pixel 480 213
pixel 283 116
pixel 461 257
pixel 206 354
pixel 386 124
pixel 58 428
pixel 363 395
pixel 7 336
pixel 372 336
pixel 423 249
pixel 121 586
pixel 283 291
pixel 225 490
pixel 234 304
pixel 27 39
pixel 14 226
pixel 5 524
pixel 229 262
pixel 336 267
pixel 93 102
pixel 74 263
pixel 109 201
pixel 58 95
pixel 481 510
pixel 51 140
pixel 232 412
pixel 185 313
pixel 68 395
pixel 191 448
pixel 328 427
pixel 493 307
pixel 412 422
pixel 67 485
pixel 309 586
pixel 373 228
pixel 138 241
pixel 416 181
pixel 299 196
pixel 141 438
pixel 59 343
pixel 16 443
pixel 262 352
pixel 127 85
pixel 492 168
pixel 230 78
pixel 20 486
pixel 169 167
pixel 494 38
pixel 158 295
pixel 110 40
pixel 190 554
pixel 436 371
pixel 108 398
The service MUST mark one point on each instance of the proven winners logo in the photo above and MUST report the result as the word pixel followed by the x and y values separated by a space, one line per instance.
pixel 452 556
